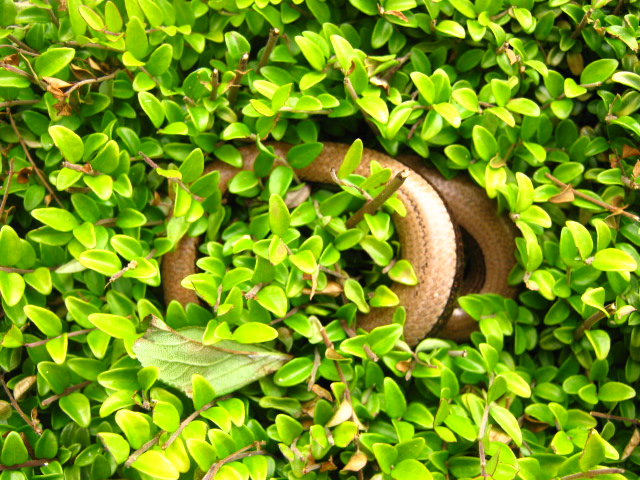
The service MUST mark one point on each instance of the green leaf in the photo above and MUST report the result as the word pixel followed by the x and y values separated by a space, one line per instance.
pixel 600 341
pixel 614 260
pixel 152 11
pixel 116 445
pixel 467 98
pixel 351 159
pixel 53 60
pixel 156 465
pixel 384 297
pixel 524 106
pixel 160 60
pixel 10 246
pixel 507 422
pixel 598 71
pixel 516 384
pixel 484 142
pixel 402 272
pixel 102 261
pixel 114 325
pixel 354 292
pixel 305 261
pixel 12 287
pixel 152 107
pixel 449 113
pixel 57 218
pixel 273 299
pixel 303 155
pixel 46 321
pixel 201 391
pixel 501 91
pixel 68 142
pixel 466 8
pixel 344 51
pixel 279 216
pixel 226 365
pixel 615 392
pixel 629 79
pixel 425 86
pixel 13 450
pixel 288 428
pixel 307 103
pixel 294 372
pixel 376 107
pixel 312 52
pixel 254 332
pixel 594 451
pixel 136 38
pixel 76 405
pixel 581 237
pixel 449 28
pixel 91 17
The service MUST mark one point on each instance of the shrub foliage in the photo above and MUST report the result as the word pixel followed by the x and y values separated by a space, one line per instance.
pixel 109 112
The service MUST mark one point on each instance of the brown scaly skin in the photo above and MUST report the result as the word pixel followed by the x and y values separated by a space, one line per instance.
pixel 430 241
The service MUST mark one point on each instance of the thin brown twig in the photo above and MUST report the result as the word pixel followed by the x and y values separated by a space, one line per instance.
pixel 582 24
pixel 190 419
pixel 304 112
pixel 354 96
pixel 132 265
pixel 274 34
pixel 481 433
pixel 21 51
pixel 22 73
pixel 65 392
pixel 14 103
pixel 46 340
pixel 52 15
pixel 372 206
pixel 155 166
pixel 22 45
pixel 618 9
pixel 134 456
pixel 343 379
pixel 74 43
pixel 595 201
pixel 20 270
pixel 391 71
pixel 90 81
pixel 5 195
pixel 39 462
pixel 86 168
pixel 36 428
pixel 39 173
pixel 346 183
pixel 592 320
pixel 232 96
pixel 608 416
pixel 317 360
pixel 146 72
pixel 112 221
pixel 594 473
pixel 242 453
pixel 215 81
pixel 501 14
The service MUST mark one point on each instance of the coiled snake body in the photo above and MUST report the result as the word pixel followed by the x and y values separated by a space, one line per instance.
pixel 429 238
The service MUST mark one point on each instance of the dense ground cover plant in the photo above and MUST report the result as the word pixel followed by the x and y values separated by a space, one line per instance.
pixel 106 106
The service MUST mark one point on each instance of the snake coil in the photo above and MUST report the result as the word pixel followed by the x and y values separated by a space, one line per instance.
pixel 441 213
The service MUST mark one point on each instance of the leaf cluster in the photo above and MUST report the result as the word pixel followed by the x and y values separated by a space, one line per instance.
pixel 110 111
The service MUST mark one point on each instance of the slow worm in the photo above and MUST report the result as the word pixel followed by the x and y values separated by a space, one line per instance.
pixel 429 236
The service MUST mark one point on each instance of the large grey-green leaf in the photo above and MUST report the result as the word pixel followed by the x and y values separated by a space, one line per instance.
pixel 227 365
